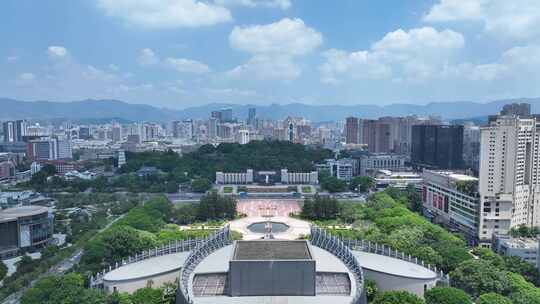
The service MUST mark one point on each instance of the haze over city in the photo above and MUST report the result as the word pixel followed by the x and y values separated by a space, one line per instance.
pixel 185 53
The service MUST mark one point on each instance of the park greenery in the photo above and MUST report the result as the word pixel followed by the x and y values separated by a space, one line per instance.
pixel 362 184
pixel 397 297
pixel 231 157
pixel 525 231
pixel 3 271
pixel 390 218
pixel 196 169
pixel 320 208
pixel 70 289
pixel 447 295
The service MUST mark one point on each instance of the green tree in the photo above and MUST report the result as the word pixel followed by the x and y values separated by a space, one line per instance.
pixel 477 277
pixel 147 296
pixel 3 271
pixel 397 297
pixel 213 206
pixel 201 185
pixel 447 295
pixel 493 298
pixel 66 289
pixel 372 290
pixel 530 296
pixel 333 184
pixel 362 184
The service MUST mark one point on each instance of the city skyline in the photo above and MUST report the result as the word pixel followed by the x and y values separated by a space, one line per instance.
pixel 185 53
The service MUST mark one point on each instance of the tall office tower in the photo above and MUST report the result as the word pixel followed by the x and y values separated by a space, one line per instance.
pixel 518 109
pixel 186 129
pixel 509 175
pixel 212 128
pixel 216 115
pixel 43 149
pixel 376 134
pixel 84 133
pixel 252 114
pixel 64 148
pixel 116 132
pixel 437 146
pixel 471 147
pixel 14 131
pixel 226 115
pixel 351 130
pixel 243 137
pixel 150 131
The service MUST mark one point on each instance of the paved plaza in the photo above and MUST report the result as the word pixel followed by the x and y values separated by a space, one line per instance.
pixel 268 207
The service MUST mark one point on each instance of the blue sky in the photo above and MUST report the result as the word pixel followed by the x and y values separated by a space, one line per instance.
pixel 180 53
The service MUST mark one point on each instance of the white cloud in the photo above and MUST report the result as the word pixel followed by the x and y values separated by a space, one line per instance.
pixel 57 52
pixel 415 55
pixel 264 67
pixel 114 67
pixel 288 36
pixel 282 4
pixel 166 13
pixel 187 66
pixel 12 59
pixel 147 57
pixel 274 48
pixel 26 77
pixel 516 19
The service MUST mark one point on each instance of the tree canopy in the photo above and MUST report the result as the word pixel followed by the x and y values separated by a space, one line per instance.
pixel 447 295
pixel 397 297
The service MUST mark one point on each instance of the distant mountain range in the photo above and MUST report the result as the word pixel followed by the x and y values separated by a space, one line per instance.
pixel 110 109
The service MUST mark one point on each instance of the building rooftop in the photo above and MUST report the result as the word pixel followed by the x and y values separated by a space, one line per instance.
pixel 393 266
pixel 148 268
pixel 521 243
pixel 271 250
pixel 23 211
pixel 456 176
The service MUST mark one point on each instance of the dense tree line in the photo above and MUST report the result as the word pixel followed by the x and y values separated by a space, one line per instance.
pixel 231 157
pixel 214 207
pixel 70 289
pixel 388 218
pixel 320 208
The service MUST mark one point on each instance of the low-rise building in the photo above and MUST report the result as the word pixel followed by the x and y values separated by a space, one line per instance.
pixel 400 180
pixel 524 248
pixel 24 229
pixel 452 199
pixel 343 169
pixel 371 163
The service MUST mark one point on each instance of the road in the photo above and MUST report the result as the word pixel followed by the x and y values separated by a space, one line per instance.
pixel 58 269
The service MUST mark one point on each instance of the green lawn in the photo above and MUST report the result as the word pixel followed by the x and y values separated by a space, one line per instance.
pixel 227 189
pixel 306 189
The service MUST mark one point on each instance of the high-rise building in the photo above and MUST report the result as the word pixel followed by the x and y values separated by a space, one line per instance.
pixel 509 175
pixel 213 128
pixel 252 114
pixel 84 133
pixel 376 134
pixel 49 148
pixel 437 146
pixel 183 129
pixel 243 137
pixel 216 115
pixel 351 130
pixel 116 133
pixel 14 131
pixel 471 147
pixel 227 115
pixel 518 109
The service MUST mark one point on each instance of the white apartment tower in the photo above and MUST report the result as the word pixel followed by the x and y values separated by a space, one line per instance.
pixel 509 175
